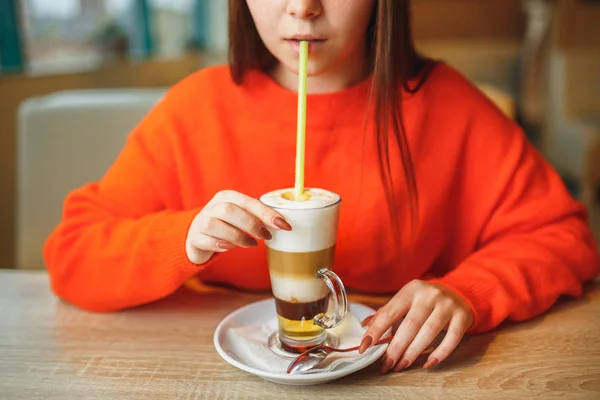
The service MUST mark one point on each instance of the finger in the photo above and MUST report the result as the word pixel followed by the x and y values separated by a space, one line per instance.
pixel 431 328
pixel 385 317
pixel 397 325
pixel 414 320
pixel 367 322
pixel 267 215
pixel 220 230
pixel 239 218
pixel 200 243
pixel 456 330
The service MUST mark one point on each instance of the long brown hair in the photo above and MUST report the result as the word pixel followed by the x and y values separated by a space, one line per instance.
pixel 393 61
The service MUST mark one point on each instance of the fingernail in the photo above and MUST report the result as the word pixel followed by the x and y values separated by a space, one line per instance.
pixel 403 364
pixel 387 364
pixel 265 234
pixel 432 362
pixel 223 245
pixel 367 321
pixel 364 345
pixel 282 224
pixel 250 241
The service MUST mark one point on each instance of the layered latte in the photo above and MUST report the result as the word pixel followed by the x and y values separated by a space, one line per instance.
pixel 295 257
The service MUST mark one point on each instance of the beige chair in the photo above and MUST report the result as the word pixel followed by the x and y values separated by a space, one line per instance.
pixel 572 125
pixel 502 99
pixel 64 140
pixel 571 132
pixel 489 64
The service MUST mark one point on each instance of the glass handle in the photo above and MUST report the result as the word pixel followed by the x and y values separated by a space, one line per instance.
pixel 338 296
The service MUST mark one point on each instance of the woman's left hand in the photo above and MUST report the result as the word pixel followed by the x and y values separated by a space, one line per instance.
pixel 427 309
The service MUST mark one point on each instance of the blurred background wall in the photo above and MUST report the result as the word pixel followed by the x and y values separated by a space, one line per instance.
pixel 67 62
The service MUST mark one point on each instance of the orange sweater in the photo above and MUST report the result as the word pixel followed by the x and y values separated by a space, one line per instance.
pixel 495 221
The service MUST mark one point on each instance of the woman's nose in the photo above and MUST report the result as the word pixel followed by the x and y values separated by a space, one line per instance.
pixel 305 9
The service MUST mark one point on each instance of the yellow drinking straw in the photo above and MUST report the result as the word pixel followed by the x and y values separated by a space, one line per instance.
pixel 301 132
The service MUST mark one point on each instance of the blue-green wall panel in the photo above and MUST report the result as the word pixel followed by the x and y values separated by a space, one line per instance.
pixel 11 53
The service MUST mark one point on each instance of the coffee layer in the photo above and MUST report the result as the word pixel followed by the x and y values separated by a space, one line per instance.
pixel 299 265
pixel 298 289
pixel 301 311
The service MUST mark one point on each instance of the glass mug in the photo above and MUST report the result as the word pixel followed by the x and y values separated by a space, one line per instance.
pixel 300 268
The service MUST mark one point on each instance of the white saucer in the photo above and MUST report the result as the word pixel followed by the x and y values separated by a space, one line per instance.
pixel 263 312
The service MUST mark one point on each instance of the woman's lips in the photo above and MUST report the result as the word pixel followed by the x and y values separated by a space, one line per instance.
pixel 313 44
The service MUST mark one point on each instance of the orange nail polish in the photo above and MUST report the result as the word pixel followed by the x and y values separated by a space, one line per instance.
pixel 265 234
pixel 367 321
pixel 403 364
pixel 386 364
pixel 432 362
pixel 250 241
pixel 364 345
pixel 282 224
pixel 223 245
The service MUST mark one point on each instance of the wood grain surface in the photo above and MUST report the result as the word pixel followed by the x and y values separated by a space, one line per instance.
pixel 51 350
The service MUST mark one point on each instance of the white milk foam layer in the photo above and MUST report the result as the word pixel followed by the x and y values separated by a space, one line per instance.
pixel 318 198
pixel 303 290
pixel 314 222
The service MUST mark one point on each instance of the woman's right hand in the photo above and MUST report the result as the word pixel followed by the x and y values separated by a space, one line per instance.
pixel 231 219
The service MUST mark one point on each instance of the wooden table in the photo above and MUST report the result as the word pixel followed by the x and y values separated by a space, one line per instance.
pixel 51 350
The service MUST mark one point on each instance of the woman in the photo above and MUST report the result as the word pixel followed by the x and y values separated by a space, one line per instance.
pixel 446 203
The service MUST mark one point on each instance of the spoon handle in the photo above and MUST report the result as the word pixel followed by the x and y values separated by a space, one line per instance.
pixel 380 341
